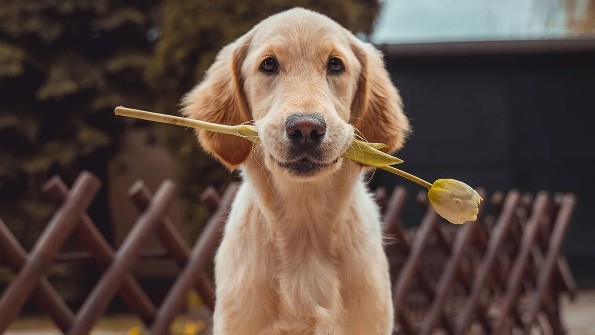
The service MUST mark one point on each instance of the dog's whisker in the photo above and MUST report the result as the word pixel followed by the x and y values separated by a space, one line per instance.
pixel 249 122
pixel 357 131
pixel 359 137
pixel 371 176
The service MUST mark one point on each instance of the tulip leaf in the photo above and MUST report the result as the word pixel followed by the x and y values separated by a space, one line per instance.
pixel 367 154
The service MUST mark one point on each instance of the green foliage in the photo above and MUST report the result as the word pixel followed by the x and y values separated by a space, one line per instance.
pixel 192 32
pixel 64 65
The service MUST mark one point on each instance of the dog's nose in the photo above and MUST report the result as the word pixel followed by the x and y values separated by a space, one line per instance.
pixel 305 131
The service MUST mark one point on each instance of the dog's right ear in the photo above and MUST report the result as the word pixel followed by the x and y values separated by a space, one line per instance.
pixel 219 98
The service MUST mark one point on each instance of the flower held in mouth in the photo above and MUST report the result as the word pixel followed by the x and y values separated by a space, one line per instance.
pixel 455 201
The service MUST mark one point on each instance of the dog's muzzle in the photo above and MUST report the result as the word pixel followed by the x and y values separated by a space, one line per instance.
pixel 305 133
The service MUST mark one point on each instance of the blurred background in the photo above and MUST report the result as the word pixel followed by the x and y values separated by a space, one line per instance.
pixel 500 94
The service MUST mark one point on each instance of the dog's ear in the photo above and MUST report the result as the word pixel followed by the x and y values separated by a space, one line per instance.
pixel 219 98
pixel 377 111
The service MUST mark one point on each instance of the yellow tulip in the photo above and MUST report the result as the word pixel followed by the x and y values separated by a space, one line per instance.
pixel 455 201
pixel 134 331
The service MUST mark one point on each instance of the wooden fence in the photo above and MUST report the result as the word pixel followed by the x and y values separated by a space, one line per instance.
pixel 502 273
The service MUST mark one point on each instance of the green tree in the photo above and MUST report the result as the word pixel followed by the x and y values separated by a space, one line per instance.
pixel 192 32
pixel 64 65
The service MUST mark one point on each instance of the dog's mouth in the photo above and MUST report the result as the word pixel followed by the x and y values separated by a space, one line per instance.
pixel 305 167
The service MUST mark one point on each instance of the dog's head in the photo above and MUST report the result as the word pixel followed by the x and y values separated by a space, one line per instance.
pixel 308 85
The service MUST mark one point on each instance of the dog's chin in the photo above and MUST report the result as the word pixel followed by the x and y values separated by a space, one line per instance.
pixel 304 168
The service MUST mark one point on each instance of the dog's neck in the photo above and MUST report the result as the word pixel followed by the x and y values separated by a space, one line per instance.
pixel 304 220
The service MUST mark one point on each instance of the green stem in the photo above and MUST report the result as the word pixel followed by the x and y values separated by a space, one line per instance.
pixel 406 175
pixel 176 120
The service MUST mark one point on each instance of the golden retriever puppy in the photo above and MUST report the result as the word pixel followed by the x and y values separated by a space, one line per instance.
pixel 302 251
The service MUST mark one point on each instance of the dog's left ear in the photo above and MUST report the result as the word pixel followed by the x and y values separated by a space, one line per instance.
pixel 377 110
pixel 219 98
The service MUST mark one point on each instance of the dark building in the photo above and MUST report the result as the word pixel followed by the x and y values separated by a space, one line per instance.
pixel 503 115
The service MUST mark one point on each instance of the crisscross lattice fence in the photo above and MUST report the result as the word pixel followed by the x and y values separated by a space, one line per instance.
pixel 501 273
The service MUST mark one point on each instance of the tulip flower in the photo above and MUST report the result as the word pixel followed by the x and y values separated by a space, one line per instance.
pixel 455 201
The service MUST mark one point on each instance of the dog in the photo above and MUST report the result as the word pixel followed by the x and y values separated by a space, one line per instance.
pixel 302 251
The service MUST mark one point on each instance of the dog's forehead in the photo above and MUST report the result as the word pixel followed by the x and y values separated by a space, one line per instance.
pixel 298 27
pixel 300 39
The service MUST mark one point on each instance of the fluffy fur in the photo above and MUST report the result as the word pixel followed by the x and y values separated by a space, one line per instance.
pixel 300 254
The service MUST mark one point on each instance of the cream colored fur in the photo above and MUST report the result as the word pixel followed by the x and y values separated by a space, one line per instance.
pixel 300 255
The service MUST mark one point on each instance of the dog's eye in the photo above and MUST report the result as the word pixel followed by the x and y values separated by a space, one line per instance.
pixel 335 66
pixel 269 65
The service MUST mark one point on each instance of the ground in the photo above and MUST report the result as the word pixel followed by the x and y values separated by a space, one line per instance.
pixel 578 315
pixel 578 319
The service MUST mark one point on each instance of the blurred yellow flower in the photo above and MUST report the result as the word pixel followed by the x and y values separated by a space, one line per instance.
pixel 454 200
pixel 134 331
pixel 193 301
pixel 193 327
